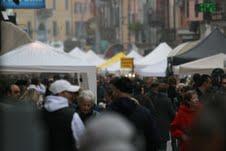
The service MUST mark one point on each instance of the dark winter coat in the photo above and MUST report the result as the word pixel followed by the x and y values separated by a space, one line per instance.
pixel 140 117
pixel 165 114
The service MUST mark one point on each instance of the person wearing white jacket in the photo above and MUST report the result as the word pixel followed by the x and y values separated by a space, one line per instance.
pixel 64 125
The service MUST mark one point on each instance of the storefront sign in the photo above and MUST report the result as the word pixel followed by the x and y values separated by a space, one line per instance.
pixel 23 4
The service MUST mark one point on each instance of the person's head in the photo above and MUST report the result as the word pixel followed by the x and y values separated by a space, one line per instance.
pixel 121 85
pixel 205 82
pixel 64 88
pixel 210 126
pixel 13 90
pixel 217 75
pixel 35 81
pixel 182 89
pixel 86 100
pixel 172 81
pixel 154 86
pixel 31 95
pixel 163 85
pixel 223 82
pixel 196 79
pixel 190 98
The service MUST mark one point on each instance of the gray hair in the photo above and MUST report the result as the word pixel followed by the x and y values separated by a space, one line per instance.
pixel 86 94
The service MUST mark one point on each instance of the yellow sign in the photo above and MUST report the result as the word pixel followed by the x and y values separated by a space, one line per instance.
pixel 127 63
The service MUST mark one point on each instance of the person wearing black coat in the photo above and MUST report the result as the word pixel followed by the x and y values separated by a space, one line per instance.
pixel 165 114
pixel 139 116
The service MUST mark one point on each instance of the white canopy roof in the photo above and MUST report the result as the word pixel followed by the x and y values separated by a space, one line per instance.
pixel 154 70
pixel 76 52
pixel 182 48
pixel 93 58
pixel 203 66
pixel 39 57
pixel 114 68
pixel 157 55
pixel 135 55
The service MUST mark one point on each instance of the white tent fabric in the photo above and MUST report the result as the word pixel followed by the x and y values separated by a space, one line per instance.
pixel 182 48
pixel 135 55
pixel 39 57
pixel 76 52
pixel 117 66
pixel 202 66
pixel 177 50
pixel 155 70
pixel 114 68
pixel 93 58
pixel 157 55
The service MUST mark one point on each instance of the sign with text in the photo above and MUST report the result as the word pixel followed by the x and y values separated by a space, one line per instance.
pixel 207 7
pixel 23 4
pixel 127 63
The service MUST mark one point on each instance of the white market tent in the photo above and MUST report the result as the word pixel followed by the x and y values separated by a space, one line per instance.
pixel 202 66
pixel 76 52
pixel 182 48
pixel 114 67
pixel 117 66
pixel 93 58
pixel 39 57
pixel 134 54
pixel 154 70
pixel 157 55
pixel 155 63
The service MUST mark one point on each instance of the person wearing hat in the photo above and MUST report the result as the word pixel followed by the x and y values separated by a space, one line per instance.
pixel 64 125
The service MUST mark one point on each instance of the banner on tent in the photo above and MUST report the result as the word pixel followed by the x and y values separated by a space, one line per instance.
pixel 127 63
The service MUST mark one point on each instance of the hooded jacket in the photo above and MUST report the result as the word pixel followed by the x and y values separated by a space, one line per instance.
pixel 64 125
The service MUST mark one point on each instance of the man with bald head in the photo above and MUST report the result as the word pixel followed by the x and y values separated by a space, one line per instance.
pixel 14 91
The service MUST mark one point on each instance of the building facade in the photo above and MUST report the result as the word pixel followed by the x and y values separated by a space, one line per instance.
pixel 60 20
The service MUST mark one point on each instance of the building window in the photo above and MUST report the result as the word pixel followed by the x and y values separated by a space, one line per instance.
pixel 54 4
pixel 77 8
pixel 80 29
pixel 55 28
pixel 29 28
pixel 80 8
pixel 83 8
pixel 67 27
pixel 66 4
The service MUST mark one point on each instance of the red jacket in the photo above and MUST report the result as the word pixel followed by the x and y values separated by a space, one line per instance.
pixel 182 123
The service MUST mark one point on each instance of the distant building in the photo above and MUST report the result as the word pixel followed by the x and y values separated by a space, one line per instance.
pixel 60 20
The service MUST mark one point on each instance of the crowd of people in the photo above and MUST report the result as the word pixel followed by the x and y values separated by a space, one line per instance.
pixel 126 115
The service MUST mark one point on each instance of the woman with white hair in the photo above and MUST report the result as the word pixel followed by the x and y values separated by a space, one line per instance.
pixel 86 101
